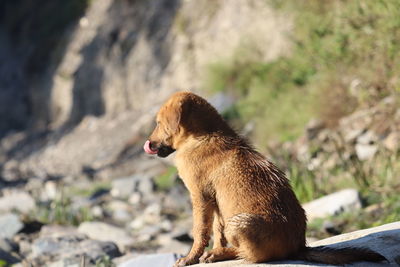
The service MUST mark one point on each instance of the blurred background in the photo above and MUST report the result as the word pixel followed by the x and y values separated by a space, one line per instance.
pixel 314 84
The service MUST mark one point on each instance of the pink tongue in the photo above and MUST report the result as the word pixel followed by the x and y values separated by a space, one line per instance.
pixel 147 148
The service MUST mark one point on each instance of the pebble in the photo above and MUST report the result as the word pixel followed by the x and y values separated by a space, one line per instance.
pixel 17 200
pixel 106 232
pixel 10 224
pixel 333 204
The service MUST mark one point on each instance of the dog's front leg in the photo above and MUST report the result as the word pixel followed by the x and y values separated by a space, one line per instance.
pixel 202 221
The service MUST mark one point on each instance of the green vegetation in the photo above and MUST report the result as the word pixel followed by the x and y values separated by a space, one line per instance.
pixel 345 54
pixel 3 263
pixel 167 179
pixel 379 190
pixel 105 261
pixel 61 211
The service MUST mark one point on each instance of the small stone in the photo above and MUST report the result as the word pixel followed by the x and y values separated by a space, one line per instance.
pixel 7 245
pixel 10 224
pixel 135 198
pixel 330 228
pixel 123 187
pixel 50 188
pixel 333 204
pixel 365 152
pixel 97 211
pixel 145 186
pixel 350 136
pixel 151 230
pixel 121 211
pixel 166 226
pixel 106 232
pixel 367 138
pixel 137 223
pixel 17 200
pixel 392 141
pixel 65 246
pixel 313 127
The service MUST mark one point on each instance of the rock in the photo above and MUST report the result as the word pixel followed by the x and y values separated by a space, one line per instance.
pixel 383 239
pixel 350 136
pixel 392 141
pixel 7 257
pixel 147 233
pixel 367 138
pixel 365 152
pixel 7 245
pixel 123 187
pixel 169 244
pixel 9 225
pixel 145 186
pixel 313 127
pixel 135 198
pixel 64 246
pixel 17 200
pixel 97 211
pixel 344 200
pixel 153 210
pixel 50 189
pixel 120 211
pixel 177 200
pixel 106 232
pixel 153 260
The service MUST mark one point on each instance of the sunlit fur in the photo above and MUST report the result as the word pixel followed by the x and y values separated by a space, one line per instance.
pixel 236 193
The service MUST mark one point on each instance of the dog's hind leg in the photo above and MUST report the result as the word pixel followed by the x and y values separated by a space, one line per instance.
pixel 218 232
pixel 253 238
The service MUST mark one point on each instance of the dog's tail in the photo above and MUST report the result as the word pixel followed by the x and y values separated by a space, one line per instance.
pixel 338 256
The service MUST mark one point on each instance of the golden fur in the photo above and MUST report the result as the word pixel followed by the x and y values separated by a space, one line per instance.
pixel 237 194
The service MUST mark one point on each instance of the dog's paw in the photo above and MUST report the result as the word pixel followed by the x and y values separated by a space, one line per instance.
pixel 185 261
pixel 208 257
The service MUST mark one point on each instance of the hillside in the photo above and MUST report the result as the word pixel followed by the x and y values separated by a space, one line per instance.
pixel 313 84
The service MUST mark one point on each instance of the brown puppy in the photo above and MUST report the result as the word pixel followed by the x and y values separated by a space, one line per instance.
pixel 236 193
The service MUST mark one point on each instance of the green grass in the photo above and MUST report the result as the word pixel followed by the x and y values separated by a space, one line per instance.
pixel 382 190
pixel 166 180
pixel 61 211
pixel 345 54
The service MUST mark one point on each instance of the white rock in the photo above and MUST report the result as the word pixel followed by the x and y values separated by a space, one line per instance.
pixel 365 152
pixel 367 138
pixel 50 189
pixel 106 232
pixel 344 200
pixel 9 225
pixel 17 200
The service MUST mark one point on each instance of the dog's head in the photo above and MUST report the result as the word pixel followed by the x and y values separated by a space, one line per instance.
pixel 184 114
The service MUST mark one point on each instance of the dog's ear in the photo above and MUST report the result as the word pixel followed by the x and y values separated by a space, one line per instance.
pixel 178 115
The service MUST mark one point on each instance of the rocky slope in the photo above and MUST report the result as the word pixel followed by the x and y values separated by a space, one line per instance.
pixel 113 64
